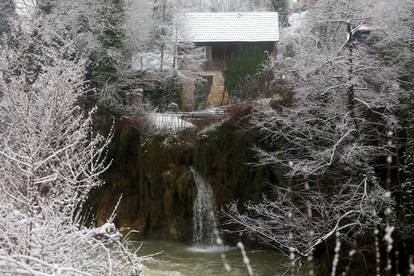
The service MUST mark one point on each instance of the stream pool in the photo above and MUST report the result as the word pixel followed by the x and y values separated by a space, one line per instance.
pixel 178 259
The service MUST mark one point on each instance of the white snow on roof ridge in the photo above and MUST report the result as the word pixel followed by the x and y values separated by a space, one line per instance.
pixel 231 26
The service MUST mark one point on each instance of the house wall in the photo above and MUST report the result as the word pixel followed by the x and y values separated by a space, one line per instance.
pixel 222 53
pixel 221 56
pixel 187 98
pixel 217 96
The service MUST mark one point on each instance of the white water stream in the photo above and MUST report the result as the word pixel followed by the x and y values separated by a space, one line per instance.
pixel 205 230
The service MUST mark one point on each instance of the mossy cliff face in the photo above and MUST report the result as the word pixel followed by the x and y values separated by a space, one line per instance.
pixel 225 158
pixel 153 175
pixel 166 186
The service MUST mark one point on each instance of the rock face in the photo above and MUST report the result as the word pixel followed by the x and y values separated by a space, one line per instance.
pixel 153 175
pixel 154 179
pixel 224 158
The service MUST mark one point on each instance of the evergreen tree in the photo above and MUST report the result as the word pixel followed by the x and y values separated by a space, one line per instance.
pixel 110 57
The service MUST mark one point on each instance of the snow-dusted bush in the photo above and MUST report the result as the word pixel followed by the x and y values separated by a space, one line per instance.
pixel 49 161
pixel 341 63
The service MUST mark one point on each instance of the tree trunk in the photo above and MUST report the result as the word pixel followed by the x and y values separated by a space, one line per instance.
pixel 351 90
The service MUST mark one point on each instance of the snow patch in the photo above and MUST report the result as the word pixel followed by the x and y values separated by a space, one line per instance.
pixel 168 122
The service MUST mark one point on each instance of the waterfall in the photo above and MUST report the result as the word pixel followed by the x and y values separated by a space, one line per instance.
pixel 204 213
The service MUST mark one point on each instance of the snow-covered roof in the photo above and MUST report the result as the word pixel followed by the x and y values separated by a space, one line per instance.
pixel 231 26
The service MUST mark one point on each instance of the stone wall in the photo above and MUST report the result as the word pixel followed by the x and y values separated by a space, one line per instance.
pixel 153 177
pixel 216 97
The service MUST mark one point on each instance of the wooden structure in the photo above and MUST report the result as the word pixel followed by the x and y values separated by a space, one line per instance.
pixel 222 35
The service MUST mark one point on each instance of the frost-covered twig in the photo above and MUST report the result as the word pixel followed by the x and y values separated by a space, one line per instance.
pixel 246 260
pixel 51 159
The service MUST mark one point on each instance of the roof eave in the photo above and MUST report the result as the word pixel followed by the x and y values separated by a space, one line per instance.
pixel 234 41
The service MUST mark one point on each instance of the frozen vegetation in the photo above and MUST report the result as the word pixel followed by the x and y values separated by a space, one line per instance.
pixel 331 114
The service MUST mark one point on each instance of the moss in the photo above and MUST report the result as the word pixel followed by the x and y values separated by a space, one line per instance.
pixel 163 185
pixel 225 158
pixel 245 62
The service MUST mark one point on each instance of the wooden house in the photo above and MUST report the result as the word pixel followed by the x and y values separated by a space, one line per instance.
pixel 223 36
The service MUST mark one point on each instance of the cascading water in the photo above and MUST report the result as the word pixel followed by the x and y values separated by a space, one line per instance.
pixel 204 213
